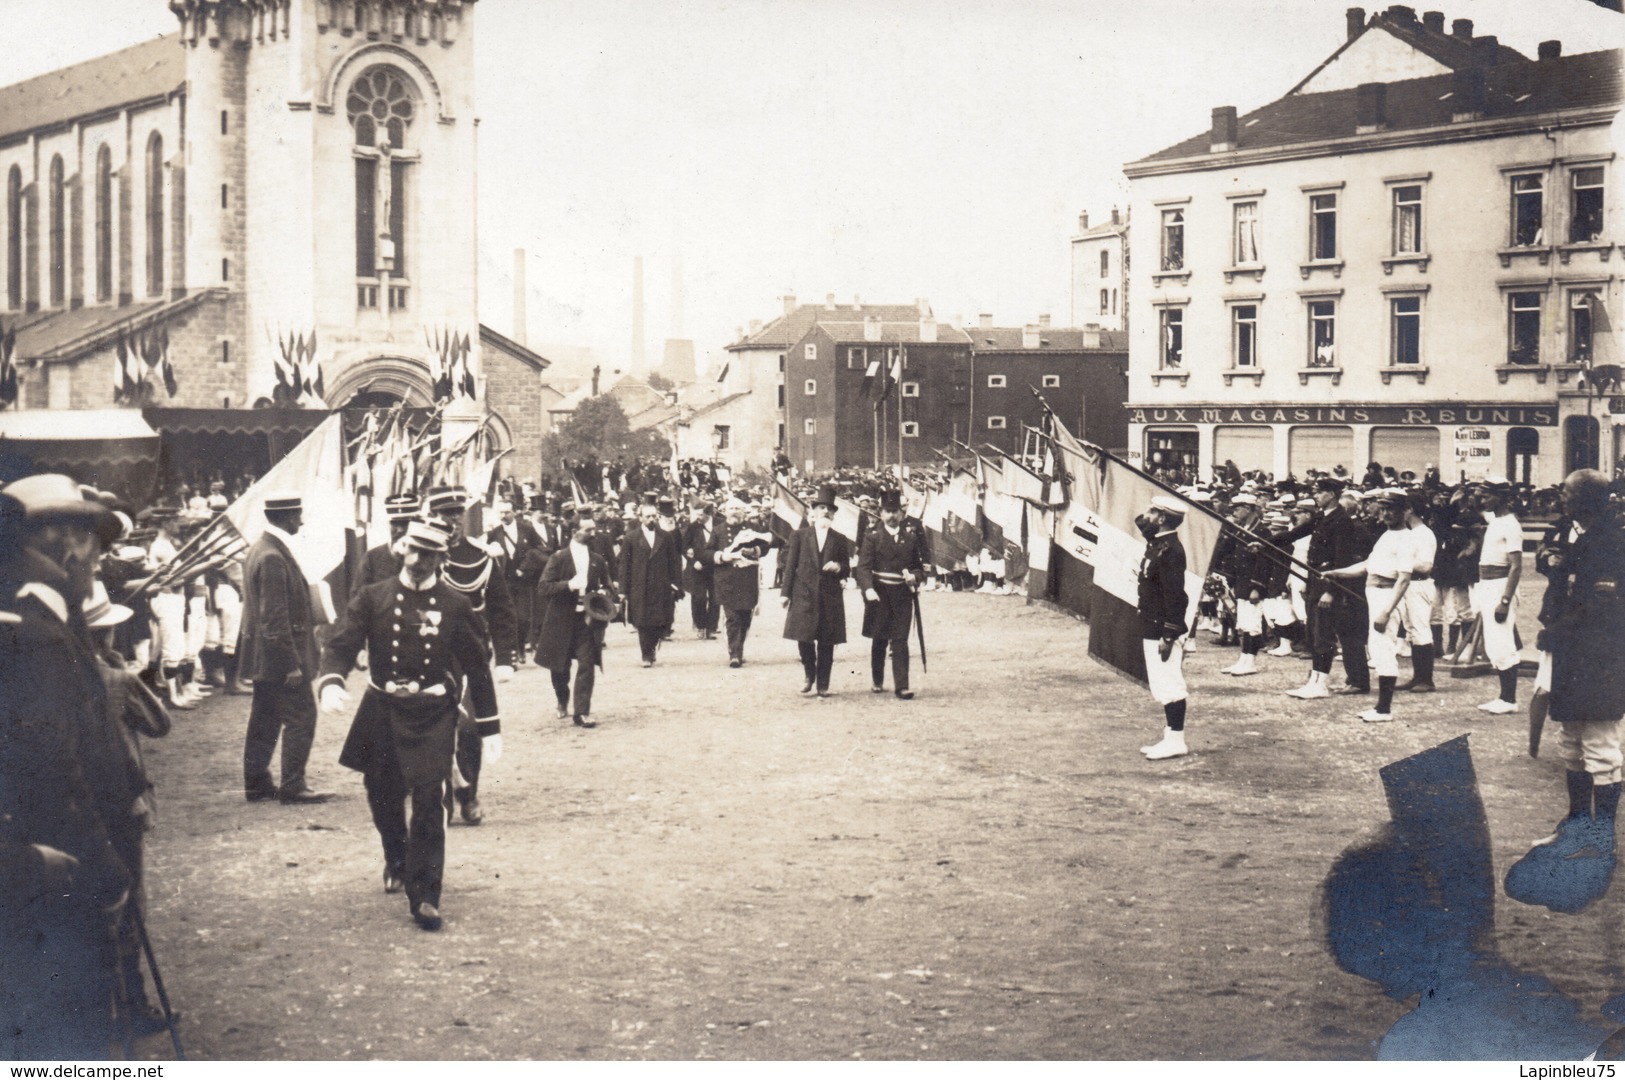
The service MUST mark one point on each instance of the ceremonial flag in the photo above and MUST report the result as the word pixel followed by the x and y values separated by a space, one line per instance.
pixel 788 512
pixel 8 367
pixel 848 520
pixel 1605 374
pixel 961 513
pixel 1119 492
pixel 871 373
pixel 722 376
pixel 894 373
pixel 1040 532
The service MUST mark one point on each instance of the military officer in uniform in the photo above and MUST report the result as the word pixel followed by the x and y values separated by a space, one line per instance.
pixel 424 639
pixel 383 561
pixel 471 570
pixel 277 653
pixel 891 562
pixel 1164 603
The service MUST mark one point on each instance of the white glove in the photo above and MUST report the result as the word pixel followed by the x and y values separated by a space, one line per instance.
pixel 333 698
pixel 504 672
pixel 491 748
pixel 871 596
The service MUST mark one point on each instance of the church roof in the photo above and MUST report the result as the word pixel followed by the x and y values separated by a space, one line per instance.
pixel 141 72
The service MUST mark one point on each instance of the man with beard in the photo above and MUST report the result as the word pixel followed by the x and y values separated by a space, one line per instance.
pixel 699 578
pixel 567 629
pixel 891 564
pixel 816 563
pixel 512 540
pixel 423 640
pixel 651 579
pixel 734 553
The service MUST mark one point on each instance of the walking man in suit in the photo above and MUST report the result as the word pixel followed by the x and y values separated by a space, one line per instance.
pixel 567 629
pixel 734 552
pixel 817 561
pixel 651 578
pixel 891 563
pixel 515 538
pixel 699 577
pixel 277 653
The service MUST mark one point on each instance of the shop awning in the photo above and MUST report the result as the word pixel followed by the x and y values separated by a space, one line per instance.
pixel 111 448
pixel 65 425
pixel 236 421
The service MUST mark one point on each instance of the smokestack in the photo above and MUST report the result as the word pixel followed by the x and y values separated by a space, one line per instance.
pixel 520 322
pixel 677 297
pixel 1461 28
pixel 637 314
pixel 1224 129
pixel 1370 106
pixel 1355 20
pixel 1433 21
pixel 1550 50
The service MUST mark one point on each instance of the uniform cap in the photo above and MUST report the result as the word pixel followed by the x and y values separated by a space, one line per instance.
pixel 425 537
pixel 401 507
pixel 1169 505
pixel 447 500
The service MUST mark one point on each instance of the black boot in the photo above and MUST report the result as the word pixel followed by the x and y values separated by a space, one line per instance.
pixel 1421 681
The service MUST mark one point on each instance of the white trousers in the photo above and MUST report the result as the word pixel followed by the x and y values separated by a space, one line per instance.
pixel 197 626
pixel 228 617
pixel 1381 648
pixel 1499 644
pixel 1167 677
pixel 1249 617
pixel 1455 606
pixel 1278 610
pixel 1593 746
pixel 1418 604
pixel 169 615
pixel 1543 674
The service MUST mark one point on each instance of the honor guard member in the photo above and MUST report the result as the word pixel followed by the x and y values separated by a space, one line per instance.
pixel 891 562
pixel 423 639
pixel 1495 597
pixel 470 569
pixel 1164 604
pixel 570 623
pixel 1387 574
pixel 277 654
pixel 816 563
pixel 1584 623
pixel 1243 565
pixel 734 553
pixel 382 562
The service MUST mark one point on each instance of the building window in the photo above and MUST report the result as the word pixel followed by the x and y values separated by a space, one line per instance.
pixel 59 232
pixel 1173 337
pixel 780 434
pixel 1051 382
pixel 810 351
pixel 1580 326
pixel 1105 263
pixel 225 269
pixel 781 362
pixel 1528 209
pixel 1114 301
pixel 810 387
pixel 366 296
pixel 809 426
pixel 857 359
pixel 398 297
pixel 1523 328
pixel 1523 447
pixel 1246 228
pixel 1585 205
pixel 995 423
pixel 1323 226
pixel 996 382
pixel 155 215
pixel 14 238
pixel 1408 220
pixel 1173 239
pixel 1323 333
pixel 911 389
pixel 911 429
pixel 721 437
pixel 381 105
pixel 225 352
pixel 1244 335
pixel 104 223
pixel 1105 296
pixel 781 395
pixel 1405 330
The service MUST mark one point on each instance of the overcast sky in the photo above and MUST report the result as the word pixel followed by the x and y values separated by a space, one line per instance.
pixel 877 148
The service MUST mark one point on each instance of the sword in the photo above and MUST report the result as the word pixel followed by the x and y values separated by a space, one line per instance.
pixel 1538 705
pixel 919 628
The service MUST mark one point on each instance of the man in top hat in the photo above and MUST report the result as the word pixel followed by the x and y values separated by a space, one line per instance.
pixel 890 564
pixel 422 639
pixel 515 538
pixel 469 568
pixel 1495 596
pixel 651 579
pixel 62 884
pixel 733 553
pixel 276 652
pixel 382 562
pixel 570 624
pixel 699 578
pixel 1164 605
pixel 816 563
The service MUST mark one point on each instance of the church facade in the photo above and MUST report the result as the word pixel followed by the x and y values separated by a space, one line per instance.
pixel 273 206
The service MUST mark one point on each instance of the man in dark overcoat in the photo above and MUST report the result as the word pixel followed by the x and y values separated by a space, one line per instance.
pixel 816 563
pixel 567 631
pixel 734 553
pixel 276 652
pixel 511 541
pixel 423 640
pixel 699 576
pixel 891 563
pixel 651 579
pixel 1584 617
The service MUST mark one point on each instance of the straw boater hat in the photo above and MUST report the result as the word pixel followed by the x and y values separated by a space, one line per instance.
pixel 283 501
pixel 54 497
pixel 100 611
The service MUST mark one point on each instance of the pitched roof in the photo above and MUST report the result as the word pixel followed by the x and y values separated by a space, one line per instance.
pixel 1054 338
pixel 786 330
pixel 66 333
pixel 1516 88
pixel 148 70
pixel 1110 228
pixel 511 347
pixel 906 332
pixel 1447 48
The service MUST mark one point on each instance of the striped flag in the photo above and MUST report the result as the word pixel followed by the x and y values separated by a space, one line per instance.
pixel 8 366
pixel 788 512
pixel 871 375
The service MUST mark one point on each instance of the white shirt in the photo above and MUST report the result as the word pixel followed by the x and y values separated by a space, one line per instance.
pixel 821 533
pixel 1503 538
pixel 1424 548
pixel 583 561
pixel 649 535
pixel 1393 555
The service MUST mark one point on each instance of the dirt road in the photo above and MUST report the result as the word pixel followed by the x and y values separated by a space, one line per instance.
pixel 724 869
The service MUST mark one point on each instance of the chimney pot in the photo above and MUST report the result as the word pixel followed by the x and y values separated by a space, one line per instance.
pixel 1043 321
pixel 829 301
pixel 1356 21
pixel 1370 106
pixel 1461 28
pixel 1115 220
pixel 923 306
pixel 1029 336
pixel 1091 335
pixel 1401 13
pixel 1433 21
pixel 984 321
pixel 1550 50
pixel 789 303
pixel 1467 93
pixel 1485 50
pixel 1083 221
pixel 857 302
pixel 871 328
pixel 1224 129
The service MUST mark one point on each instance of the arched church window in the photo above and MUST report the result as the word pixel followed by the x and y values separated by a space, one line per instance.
pixel 155 215
pixel 59 236
pixel 14 239
pixel 104 223
pixel 381 105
